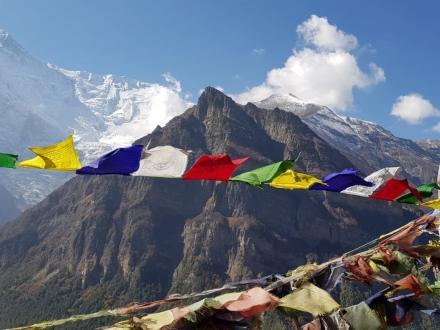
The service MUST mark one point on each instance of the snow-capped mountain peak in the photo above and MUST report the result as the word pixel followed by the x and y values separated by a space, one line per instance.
pixel 42 103
pixel 367 144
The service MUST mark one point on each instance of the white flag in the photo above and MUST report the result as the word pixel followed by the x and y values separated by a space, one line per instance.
pixel 162 162
pixel 378 178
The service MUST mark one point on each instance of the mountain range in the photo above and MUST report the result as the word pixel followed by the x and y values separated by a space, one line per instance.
pixel 86 243
pixel 106 241
pixel 42 103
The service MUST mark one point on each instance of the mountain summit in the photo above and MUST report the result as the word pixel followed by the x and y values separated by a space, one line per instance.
pixel 100 242
pixel 368 145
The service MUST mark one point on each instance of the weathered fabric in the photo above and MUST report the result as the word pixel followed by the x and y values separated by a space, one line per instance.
pixel 359 267
pixel 328 322
pixel 253 302
pixel 405 237
pixel 410 283
pixel 339 181
pixel 123 161
pixel 310 299
pixel 60 157
pixel 378 179
pixel 294 180
pixel 362 317
pixel 394 189
pixel 265 174
pixel 213 167
pixel 162 162
pixel 8 160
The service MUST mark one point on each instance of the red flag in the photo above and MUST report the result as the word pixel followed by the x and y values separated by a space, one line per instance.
pixel 213 167
pixel 394 189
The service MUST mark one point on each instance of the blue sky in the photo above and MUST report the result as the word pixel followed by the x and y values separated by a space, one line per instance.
pixel 234 44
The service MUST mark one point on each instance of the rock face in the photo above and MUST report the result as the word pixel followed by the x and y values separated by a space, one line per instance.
pixel 8 206
pixel 101 242
pixel 368 145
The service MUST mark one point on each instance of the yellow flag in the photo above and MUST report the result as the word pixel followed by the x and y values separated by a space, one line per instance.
pixel 294 180
pixel 311 299
pixel 59 157
pixel 434 204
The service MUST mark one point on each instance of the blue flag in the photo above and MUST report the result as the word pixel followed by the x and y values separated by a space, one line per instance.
pixel 339 181
pixel 121 161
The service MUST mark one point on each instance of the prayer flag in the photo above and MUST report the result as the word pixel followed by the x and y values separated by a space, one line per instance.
pixel 163 161
pixel 425 190
pixel 362 317
pixel 294 180
pixel 60 157
pixel 213 167
pixel 434 204
pixel 378 178
pixel 264 174
pixel 394 189
pixel 8 160
pixel 339 181
pixel 310 299
pixel 252 302
pixel 123 161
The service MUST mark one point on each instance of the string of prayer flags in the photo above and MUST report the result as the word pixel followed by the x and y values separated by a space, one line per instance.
pixel 302 291
pixel 265 174
pixel 123 161
pixel 60 157
pixel 213 167
pixel 247 304
pixel 8 160
pixel 339 181
pixel 377 178
pixel 170 162
pixel 294 180
pixel 395 188
pixel 162 162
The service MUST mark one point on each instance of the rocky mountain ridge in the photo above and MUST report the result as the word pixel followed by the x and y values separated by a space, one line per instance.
pixel 368 145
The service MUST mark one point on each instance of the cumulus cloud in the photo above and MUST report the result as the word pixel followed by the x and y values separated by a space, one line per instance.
pixel 319 32
pixel 324 72
pixel 414 108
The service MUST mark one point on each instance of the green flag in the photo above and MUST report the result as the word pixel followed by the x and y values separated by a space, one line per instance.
pixel 264 174
pixel 8 160
pixel 426 190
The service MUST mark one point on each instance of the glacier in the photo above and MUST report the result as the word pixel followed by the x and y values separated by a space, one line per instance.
pixel 41 104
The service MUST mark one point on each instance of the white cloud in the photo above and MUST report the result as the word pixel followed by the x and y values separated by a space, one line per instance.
pixel 437 127
pixel 325 73
pixel 258 51
pixel 414 108
pixel 319 32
